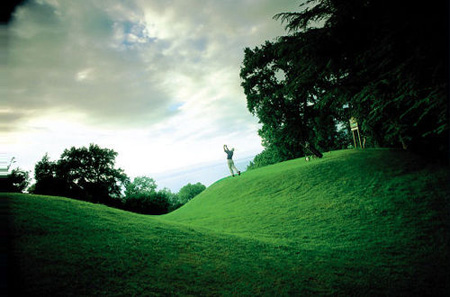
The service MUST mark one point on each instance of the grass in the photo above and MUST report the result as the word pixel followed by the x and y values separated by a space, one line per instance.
pixel 355 223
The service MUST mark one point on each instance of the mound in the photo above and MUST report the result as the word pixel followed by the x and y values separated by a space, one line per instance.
pixel 365 223
pixel 326 200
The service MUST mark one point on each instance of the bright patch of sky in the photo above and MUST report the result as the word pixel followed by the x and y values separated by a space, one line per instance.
pixel 156 81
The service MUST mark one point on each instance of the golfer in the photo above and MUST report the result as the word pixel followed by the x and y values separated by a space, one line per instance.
pixel 230 160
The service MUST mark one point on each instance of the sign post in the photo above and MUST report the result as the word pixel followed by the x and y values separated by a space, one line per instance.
pixel 355 129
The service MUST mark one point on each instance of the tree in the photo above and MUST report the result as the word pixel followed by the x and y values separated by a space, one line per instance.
pixel 156 203
pixel 189 191
pixel 389 66
pixel 283 85
pixel 141 197
pixel 82 173
pixel 141 185
pixel 267 157
pixel 16 181
pixel 47 182
pixel 395 64
pixel 172 199
pixel 89 174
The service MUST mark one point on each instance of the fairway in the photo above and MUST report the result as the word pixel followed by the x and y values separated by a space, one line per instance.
pixel 354 223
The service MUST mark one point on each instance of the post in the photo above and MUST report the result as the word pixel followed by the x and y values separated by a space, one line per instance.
pixel 359 136
pixel 354 139
pixel 354 127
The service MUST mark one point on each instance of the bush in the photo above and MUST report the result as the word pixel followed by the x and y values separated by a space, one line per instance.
pixel 154 203
pixel 189 191
pixel 267 157
pixel 17 181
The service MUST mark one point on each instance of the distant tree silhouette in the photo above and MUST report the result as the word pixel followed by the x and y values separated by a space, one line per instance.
pixel 16 181
pixel 82 173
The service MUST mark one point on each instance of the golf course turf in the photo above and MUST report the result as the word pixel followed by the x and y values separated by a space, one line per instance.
pixel 371 222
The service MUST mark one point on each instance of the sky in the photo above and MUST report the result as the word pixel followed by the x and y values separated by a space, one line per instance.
pixel 157 81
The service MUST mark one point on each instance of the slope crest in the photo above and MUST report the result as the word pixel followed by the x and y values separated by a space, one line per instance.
pixel 325 201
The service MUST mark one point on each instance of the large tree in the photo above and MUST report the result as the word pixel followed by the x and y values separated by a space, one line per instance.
pixel 383 62
pixel 284 82
pixel 46 180
pixel 82 173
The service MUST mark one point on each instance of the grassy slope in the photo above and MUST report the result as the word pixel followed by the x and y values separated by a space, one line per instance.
pixel 353 223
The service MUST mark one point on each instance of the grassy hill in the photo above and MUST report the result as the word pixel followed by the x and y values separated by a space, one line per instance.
pixel 355 223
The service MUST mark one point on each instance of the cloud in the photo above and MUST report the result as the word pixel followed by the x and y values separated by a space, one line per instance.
pixel 163 72
pixel 63 58
pixel 121 62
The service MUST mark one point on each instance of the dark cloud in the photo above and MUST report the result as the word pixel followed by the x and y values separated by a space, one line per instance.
pixel 8 8
pixel 10 120
pixel 67 61
pixel 127 63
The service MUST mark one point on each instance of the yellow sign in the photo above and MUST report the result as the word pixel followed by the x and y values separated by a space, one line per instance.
pixel 353 124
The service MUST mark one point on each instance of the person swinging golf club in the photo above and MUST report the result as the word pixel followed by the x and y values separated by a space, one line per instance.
pixel 230 160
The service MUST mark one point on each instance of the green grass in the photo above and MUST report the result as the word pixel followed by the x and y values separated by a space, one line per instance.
pixel 355 223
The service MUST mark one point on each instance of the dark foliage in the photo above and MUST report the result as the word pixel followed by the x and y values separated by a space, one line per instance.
pixel 88 174
pixel 141 196
pixel 154 203
pixel 382 62
pixel 82 173
pixel 15 182
pixel 8 8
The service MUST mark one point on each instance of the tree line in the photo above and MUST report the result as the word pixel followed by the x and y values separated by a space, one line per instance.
pixel 89 174
pixel 382 62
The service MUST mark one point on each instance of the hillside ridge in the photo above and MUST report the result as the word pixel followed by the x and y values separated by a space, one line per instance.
pixel 372 223
pixel 344 186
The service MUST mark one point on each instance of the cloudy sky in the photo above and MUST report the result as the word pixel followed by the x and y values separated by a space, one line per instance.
pixel 155 80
